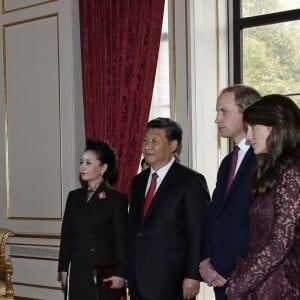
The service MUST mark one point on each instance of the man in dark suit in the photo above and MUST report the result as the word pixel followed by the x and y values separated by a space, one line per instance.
pixel 165 241
pixel 227 226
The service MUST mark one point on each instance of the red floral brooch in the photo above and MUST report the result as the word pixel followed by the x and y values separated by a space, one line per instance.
pixel 102 195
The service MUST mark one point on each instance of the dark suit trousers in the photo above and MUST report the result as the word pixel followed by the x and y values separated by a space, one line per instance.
pixel 220 292
pixel 134 295
pixel 138 297
pixel 111 294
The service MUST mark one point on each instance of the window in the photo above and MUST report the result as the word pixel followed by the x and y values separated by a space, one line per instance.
pixel 160 106
pixel 266 46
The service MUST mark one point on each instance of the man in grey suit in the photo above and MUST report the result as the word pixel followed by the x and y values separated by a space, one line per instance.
pixel 165 240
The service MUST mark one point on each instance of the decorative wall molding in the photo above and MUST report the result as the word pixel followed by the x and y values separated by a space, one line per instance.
pixel 33 130
pixel 15 5
pixel 41 134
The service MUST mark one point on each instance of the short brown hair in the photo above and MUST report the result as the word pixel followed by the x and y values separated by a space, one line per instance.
pixel 244 95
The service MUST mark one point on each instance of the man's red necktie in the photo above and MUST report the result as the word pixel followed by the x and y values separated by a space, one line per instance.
pixel 150 194
pixel 233 163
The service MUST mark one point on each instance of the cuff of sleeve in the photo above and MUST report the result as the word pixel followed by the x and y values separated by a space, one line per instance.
pixel 211 267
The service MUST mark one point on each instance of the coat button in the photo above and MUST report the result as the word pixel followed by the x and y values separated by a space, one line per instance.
pixel 140 234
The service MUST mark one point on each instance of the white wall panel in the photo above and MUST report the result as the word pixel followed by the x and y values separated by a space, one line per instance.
pixel 38 276
pixel 33 118
pixel 41 134
pixel 11 5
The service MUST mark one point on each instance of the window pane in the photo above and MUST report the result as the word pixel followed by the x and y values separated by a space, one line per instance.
pixel 271 60
pixel 160 106
pixel 260 7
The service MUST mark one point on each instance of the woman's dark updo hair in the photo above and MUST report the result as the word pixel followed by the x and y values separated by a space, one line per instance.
pixel 106 155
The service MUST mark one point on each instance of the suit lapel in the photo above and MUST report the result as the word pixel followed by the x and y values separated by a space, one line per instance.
pixel 102 192
pixel 140 192
pixel 244 167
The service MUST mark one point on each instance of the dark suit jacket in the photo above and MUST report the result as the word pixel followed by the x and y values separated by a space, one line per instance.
pixel 165 246
pixel 227 225
pixel 93 233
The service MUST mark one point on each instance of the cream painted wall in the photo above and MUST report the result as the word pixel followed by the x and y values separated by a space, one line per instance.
pixel 41 133
pixel 199 69
pixel 41 119
pixel 208 71
pixel 207 74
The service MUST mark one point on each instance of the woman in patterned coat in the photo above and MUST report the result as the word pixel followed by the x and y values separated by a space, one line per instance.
pixel 272 267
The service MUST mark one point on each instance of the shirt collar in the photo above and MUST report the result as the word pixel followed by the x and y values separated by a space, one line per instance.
pixel 244 145
pixel 93 189
pixel 163 170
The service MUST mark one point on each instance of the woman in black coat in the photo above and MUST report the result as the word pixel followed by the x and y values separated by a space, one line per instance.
pixel 94 229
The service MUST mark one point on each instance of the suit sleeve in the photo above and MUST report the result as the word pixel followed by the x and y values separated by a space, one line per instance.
pixel 210 216
pixel 120 223
pixel 66 236
pixel 207 248
pixel 197 200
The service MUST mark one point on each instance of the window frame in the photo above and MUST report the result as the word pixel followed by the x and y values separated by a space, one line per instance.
pixel 240 23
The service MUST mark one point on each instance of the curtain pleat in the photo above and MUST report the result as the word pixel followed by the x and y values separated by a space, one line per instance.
pixel 119 48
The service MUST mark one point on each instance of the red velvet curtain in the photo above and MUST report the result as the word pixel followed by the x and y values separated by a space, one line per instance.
pixel 119 43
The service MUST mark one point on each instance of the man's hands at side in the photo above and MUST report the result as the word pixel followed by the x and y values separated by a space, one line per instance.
pixel 209 275
pixel 190 288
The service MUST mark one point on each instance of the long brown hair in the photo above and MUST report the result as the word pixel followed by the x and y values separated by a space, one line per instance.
pixel 283 115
